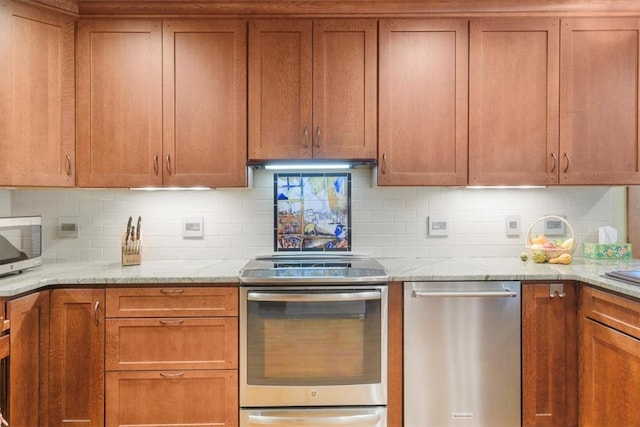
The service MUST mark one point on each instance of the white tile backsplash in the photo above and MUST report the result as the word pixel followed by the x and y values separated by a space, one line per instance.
pixel 238 223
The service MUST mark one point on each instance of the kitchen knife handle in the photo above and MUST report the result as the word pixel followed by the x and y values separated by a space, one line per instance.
pixel 555 161
pixel 169 164
pixel 68 165
pixel 305 139
pixel 318 137
pixel 155 165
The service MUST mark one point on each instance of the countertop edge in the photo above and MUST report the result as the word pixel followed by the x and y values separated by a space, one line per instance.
pixel 181 272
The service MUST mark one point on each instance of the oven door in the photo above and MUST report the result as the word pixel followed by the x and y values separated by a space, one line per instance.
pixel 313 346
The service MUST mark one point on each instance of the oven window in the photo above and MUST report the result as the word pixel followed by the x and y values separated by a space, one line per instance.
pixel 292 343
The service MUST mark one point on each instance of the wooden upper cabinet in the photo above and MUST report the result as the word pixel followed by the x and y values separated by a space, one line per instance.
pixel 312 89
pixel 423 90
pixel 513 101
pixel 37 96
pixel 599 100
pixel 345 57
pixel 204 99
pixel 119 91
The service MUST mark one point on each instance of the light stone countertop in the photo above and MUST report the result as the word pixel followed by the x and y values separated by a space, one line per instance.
pixel 399 269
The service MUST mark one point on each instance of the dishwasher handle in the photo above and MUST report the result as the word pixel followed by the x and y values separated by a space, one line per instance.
pixel 465 294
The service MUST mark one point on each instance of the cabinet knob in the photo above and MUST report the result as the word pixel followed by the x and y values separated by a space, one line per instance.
pixel 155 165
pixel 384 163
pixel 555 162
pixel 305 139
pixel 318 137
pixel 566 159
pixel 68 165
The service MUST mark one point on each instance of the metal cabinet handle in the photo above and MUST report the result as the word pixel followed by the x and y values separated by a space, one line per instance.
pixel 96 320
pixel 305 139
pixel 566 158
pixel 384 163
pixel 68 165
pixel 155 165
pixel 171 321
pixel 556 289
pixel 169 164
pixel 555 161
pixel 172 291
pixel 171 374
pixel 318 137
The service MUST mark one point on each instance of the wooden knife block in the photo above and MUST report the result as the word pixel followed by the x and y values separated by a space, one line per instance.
pixel 131 251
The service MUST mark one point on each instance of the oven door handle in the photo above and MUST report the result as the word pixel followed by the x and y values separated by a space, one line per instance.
pixel 319 297
pixel 372 419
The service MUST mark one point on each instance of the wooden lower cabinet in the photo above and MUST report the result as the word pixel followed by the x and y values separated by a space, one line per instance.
pixel 549 354
pixel 172 398
pixel 172 356
pixel 28 365
pixel 76 358
pixel 609 359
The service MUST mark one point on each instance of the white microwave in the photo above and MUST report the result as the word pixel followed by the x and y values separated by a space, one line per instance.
pixel 20 243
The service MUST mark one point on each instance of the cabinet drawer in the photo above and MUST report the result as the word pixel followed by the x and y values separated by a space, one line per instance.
pixel 185 398
pixel 171 343
pixel 172 301
pixel 617 312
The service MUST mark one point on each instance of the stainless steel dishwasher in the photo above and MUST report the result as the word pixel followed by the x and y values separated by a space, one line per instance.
pixel 462 354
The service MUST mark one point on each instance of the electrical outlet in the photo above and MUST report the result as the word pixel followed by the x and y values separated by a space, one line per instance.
pixel 553 227
pixel 192 227
pixel 512 225
pixel 437 225
pixel 68 226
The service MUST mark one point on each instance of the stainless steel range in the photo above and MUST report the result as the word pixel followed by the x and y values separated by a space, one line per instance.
pixel 313 340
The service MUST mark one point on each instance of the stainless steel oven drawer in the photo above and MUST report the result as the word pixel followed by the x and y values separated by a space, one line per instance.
pixel 375 416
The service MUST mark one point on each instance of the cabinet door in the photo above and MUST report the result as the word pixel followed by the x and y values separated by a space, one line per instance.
pixel 549 354
pixel 172 398
pixel 599 101
pixel 76 368
pixel 29 361
pixel 609 376
pixel 280 73
pixel 119 82
pixel 423 102
pixel 37 135
pixel 204 99
pixel 513 101
pixel 344 89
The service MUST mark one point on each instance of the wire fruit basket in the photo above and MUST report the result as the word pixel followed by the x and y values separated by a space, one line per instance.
pixel 550 248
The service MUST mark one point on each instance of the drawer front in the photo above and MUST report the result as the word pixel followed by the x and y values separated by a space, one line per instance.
pixel 171 343
pixel 172 301
pixel 617 312
pixel 173 398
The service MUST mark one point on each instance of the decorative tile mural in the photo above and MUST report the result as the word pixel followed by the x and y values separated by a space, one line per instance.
pixel 312 212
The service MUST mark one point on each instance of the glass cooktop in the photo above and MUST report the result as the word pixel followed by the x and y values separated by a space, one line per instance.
pixel 328 268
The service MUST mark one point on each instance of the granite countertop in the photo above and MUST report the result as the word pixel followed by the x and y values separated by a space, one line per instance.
pixel 399 269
